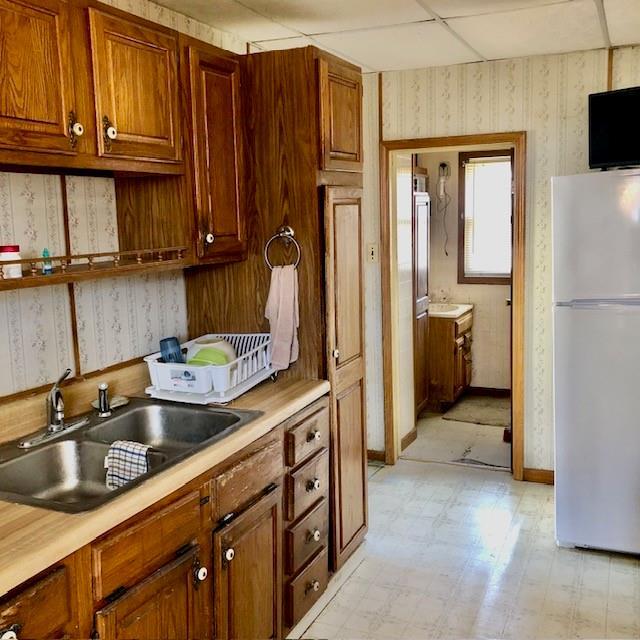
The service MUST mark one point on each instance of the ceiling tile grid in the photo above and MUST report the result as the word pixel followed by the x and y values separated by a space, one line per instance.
pixel 387 35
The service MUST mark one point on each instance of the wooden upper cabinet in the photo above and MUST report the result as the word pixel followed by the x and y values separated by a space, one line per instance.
pixel 340 116
pixel 36 88
pixel 135 68
pixel 213 79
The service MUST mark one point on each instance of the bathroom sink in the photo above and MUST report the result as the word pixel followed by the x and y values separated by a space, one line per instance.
pixel 69 475
pixel 448 309
pixel 166 427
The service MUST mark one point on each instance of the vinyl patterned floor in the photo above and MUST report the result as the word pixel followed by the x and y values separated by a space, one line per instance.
pixel 457 553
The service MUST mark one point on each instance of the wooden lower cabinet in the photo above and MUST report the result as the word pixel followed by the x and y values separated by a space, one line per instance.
pixel 247 565
pixel 218 559
pixel 165 605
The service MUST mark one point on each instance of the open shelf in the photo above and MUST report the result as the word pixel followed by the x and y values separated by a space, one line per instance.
pixel 93 266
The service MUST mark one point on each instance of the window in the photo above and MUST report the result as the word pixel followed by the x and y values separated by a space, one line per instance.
pixel 485 206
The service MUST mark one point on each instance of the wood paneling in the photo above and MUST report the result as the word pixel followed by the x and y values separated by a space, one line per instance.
pixel 135 69
pixel 281 178
pixel 248 584
pixel 162 606
pixel 340 115
pixel 212 78
pixel 36 82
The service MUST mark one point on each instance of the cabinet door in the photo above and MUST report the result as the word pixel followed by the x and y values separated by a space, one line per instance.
pixel 214 82
pixel 459 367
pixel 345 342
pixel 340 117
pixel 165 605
pixel 420 235
pixel 36 90
pixel 136 89
pixel 247 561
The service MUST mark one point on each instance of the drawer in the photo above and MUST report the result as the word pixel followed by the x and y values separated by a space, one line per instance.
pixel 305 538
pixel 233 489
pixel 306 588
pixel 124 558
pixel 41 610
pixel 308 436
pixel 464 324
pixel 307 485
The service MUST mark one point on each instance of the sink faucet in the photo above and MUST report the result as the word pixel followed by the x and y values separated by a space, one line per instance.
pixel 55 406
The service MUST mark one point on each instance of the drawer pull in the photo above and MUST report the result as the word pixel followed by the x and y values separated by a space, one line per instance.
pixel 10 633
pixel 200 573
pixel 314 585
pixel 314 435
pixel 229 555
pixel 314 536
pixel 313 485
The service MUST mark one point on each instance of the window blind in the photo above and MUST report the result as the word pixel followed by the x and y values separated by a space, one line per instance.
pixel 487 217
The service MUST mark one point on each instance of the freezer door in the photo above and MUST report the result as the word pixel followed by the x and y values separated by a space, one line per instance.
pixel 596 235
pixel 597 427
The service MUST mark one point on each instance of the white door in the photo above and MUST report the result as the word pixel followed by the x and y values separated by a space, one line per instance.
pixel 597 426
pixel 596 235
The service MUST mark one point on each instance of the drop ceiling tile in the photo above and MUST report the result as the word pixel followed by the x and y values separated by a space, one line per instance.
pixel 455 8
pixel 623 18
pixel 413 46
pixel 570 26
pixel 323 16
pixel 230 16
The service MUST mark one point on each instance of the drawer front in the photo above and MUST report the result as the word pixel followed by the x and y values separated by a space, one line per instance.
pixel 305 538
pixel 307 485
pixel 42 610
pixel 306 588
pixel 308 436
pixel 464 324
pixel 244 481
pixel 123 559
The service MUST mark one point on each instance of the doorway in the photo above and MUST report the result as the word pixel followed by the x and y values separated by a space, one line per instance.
pixel 471 402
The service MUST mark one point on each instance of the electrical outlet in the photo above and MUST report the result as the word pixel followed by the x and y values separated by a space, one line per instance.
pixel 372 252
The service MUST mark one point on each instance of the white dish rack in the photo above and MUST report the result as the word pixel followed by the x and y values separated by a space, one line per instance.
pixel 213 383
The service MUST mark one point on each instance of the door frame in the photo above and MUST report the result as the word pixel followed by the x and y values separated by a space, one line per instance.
pixel 518 139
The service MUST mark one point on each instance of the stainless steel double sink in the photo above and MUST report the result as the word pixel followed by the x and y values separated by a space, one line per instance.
pixel 68 472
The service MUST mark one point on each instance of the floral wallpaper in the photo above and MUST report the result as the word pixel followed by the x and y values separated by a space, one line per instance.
pixel 117 319
pixel 546 97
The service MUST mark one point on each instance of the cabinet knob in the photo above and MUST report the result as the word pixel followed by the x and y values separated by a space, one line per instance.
pixel 313 485
pixel 335 353
pixel 75 131
pixel 209 238
pixel 314 536
pixel 202 574
pixel 314 585
pixel 314 435
pixel 229 555
pixel 110 133
pixel 10 633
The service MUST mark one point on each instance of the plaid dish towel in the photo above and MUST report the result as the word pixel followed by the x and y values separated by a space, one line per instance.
pixel 125 461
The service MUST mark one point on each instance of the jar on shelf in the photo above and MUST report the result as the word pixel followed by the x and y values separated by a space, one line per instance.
pixel 10 252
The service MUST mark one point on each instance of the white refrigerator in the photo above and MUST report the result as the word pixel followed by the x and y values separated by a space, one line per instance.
pixel 596 316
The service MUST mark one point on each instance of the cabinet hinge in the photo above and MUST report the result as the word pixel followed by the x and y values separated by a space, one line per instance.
pixel 94 634
pixel 204 500
pixel 117 593
pixel 185 548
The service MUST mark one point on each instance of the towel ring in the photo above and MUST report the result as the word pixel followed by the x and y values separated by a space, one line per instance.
pixel 286 234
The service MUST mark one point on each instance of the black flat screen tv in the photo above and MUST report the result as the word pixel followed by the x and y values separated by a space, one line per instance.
pixel 614 128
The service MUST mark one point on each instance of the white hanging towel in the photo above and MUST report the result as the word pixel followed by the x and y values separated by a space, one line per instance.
pixel 125 461
pixel 283 315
